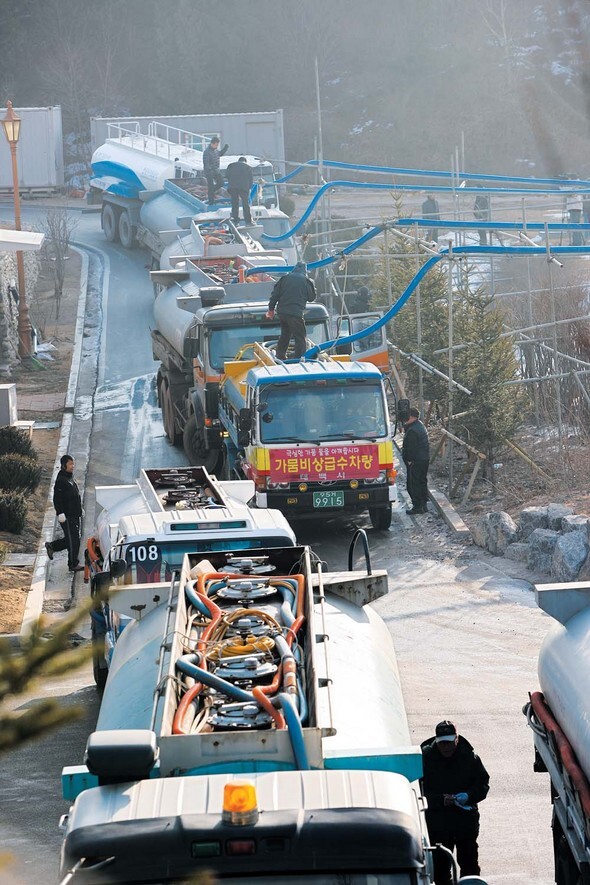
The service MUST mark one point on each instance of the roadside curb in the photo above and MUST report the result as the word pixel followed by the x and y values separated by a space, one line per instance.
pixel 36 595
pixel 444 508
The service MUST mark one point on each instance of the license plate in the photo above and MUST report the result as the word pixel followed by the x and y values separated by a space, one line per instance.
pixel 328 499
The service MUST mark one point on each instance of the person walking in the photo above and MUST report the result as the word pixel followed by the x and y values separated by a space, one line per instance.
pixel 454 781
pixel 574 205
pixel 211 157
pixel 239 183
pixel 68 506
pixel 416 457
pixel 481 210
pixel 290 294
pixel 430 210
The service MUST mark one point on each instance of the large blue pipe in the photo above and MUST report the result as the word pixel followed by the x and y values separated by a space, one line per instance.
pixel 433 173
pixel 398 187
pixel 294 726
pixel 458 250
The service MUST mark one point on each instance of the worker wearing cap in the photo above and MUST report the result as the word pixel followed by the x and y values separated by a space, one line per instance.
pixel 290 296
pixel 454 781
pixel 211 157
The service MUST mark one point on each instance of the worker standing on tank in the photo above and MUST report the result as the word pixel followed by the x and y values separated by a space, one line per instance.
pixel 239 184
pixel 454 781
pixel 290 294
pixel 211 156
pixel 68 506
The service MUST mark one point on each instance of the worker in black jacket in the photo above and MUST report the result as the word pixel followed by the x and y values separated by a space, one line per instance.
pixel 239 184
pixel 290 294
pixel 416 457
pixel 211 156
pixel 68 506
pixel 454 781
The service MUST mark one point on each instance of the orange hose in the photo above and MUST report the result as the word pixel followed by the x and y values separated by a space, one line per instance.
pixel 294 630
pixel 183 705
pixel 264 702
pixel 216 614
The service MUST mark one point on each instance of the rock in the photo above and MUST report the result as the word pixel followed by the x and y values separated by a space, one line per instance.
pixel 518 552
pixel 500 531
pixel 532 518
pixel 478 533
pixel 541 546
pixel 494 532
pixel 569 556
pixel 574 523
pixel 555 513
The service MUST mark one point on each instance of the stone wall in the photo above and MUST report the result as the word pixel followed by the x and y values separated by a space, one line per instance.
pixel 9 307
pixel 552 540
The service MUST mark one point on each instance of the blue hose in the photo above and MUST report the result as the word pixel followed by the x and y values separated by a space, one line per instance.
pixel 185 665
pixel 434 173
pixel 295 729
pixel 457 250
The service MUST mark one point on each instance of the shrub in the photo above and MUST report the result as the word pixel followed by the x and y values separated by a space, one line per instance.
pixel 19 472
pixel 14 442
pixel 13 512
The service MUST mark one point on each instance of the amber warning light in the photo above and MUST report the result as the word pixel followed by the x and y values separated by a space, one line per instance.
pixel 240 805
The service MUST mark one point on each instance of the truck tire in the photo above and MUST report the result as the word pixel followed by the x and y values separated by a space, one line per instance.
pixel 380 517
pixel 126 230
pixel 167 407
pixel 110 223
pixel 194 447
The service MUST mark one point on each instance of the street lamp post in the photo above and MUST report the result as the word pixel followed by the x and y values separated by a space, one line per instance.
pixel 11 125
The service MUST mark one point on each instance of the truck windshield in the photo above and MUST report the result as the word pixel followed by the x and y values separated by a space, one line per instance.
pixel 308 413
pixel 224 344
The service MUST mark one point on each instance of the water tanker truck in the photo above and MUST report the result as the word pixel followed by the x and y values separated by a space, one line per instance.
pixel 559 716
pixel 151 185
pixel 313 435
pixel 252 728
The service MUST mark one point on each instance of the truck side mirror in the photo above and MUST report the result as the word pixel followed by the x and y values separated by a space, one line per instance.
pixel 118 568
pixel 245 420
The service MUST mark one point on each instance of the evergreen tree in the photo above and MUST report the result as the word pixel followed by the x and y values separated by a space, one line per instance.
pixel 494 410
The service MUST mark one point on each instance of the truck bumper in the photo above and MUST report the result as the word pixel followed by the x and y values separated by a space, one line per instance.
pixel 302 503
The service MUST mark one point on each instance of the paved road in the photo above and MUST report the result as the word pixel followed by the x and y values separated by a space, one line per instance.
pixel 466 634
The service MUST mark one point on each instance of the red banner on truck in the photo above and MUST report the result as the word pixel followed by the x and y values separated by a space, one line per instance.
pixel 324 463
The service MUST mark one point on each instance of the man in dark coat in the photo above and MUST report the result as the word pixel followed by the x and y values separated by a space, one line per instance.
pixel 416 457
pixel 214 177
pixel 454 781
pixel 481 210
pixel 430 210
pixel 290 295
pixel 68 506
pixel 239 184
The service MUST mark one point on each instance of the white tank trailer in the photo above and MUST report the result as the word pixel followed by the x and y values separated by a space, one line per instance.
pixel 559 716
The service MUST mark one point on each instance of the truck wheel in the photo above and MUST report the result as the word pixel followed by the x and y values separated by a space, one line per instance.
pixel 167 407
pixel 110 223
pixel 126 230
pixel 194 447
pixel 380 517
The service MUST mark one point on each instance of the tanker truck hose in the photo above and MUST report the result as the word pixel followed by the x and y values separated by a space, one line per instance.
pixel 266 705
pixel 195 600
pixel 186 666
pixel 188 698
pixel 295 730
pixel 288 664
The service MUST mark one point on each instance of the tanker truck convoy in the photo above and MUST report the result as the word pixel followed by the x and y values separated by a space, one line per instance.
pixel 559 716
pixel 252 728
pixel 148 184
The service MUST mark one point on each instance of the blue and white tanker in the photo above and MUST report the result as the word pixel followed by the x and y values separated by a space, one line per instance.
pixel 151 186
pixel 252 728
